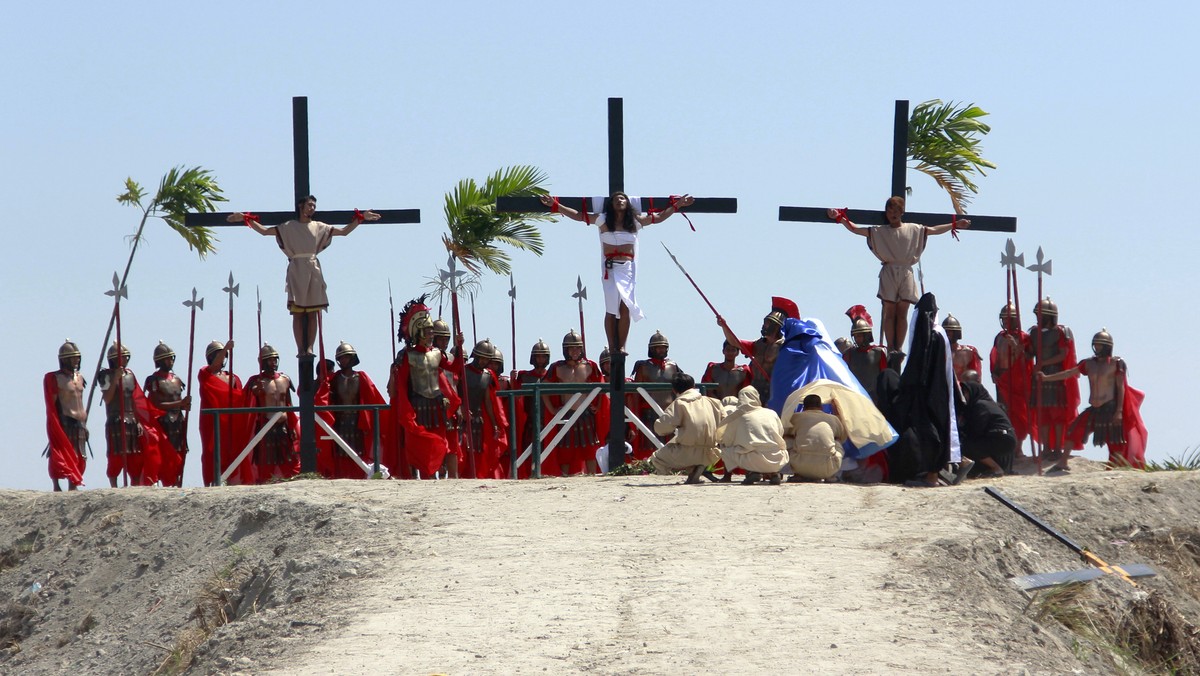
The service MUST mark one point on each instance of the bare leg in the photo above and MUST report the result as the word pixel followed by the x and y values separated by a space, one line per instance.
pixel 623 328
pixel 565 469
pixel 452 466
pixel 112 481
pixel 610 331
pixel 900 323
pixel 889 328
pixel 304 329
pixel 57 488
pixel 72 486
pixel 591 466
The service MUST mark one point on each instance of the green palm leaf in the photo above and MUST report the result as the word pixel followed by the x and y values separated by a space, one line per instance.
pixel 943 139
pixel 476 228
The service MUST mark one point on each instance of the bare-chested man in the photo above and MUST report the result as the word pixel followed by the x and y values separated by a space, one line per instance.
pixel 578 447
pixel 66 418
pixel 1104 418
pixel 348 386
pixel 763 351
pixel 965 357
pixel 730 376
pixel 276 454
pixel 122 429
pixel 898 246
pixel 656 369
pixel 164 389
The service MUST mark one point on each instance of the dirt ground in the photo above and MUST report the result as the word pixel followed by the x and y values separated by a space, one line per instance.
pixel 613 575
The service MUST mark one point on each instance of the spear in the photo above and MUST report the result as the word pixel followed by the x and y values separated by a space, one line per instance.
pixel 512 304
pixel 1042 266
pixel 259 297
pixel 1010 259
pixel 194 304
pixel 118 292
pixel 474 330
pixel 581 295
pixel 232 290
pixel 696 286
pixel 392 312
pixel 461 363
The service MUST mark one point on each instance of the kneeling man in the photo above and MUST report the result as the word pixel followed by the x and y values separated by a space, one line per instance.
pixel 694 419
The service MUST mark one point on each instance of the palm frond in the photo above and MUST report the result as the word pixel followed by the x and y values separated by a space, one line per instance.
pixel 440 286
pixel 943 139
pixel 133 193
pixel 475 226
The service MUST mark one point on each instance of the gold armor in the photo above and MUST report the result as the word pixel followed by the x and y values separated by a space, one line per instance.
pixel 423 372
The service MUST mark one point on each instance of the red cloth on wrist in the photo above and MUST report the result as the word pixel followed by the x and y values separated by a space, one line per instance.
pixel 248 217
pixel 358 215
pixel 954 227
pixel 675 205
pixel 554 206
pixel 841 215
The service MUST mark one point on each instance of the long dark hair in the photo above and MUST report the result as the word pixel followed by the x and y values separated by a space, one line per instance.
pixel 628 223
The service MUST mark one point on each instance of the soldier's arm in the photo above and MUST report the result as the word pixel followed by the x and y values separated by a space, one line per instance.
pixel 1119 384
pixel 1072 372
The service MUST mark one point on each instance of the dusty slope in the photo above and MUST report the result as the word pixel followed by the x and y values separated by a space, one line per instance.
pixel 615 575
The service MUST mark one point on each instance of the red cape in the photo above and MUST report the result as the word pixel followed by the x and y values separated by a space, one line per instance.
pixel 1012 386
pixel 216 394
pixel 495 432
pixel 572 456
pixel 423 449
pixel 331 459
pixel 65 463
pixel 263 473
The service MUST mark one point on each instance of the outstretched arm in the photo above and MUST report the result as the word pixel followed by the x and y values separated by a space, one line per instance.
pixel 679 203
pixel 342 230
pixel 550 201
pixel 1072 372
pixel 839 215
pixel 960 224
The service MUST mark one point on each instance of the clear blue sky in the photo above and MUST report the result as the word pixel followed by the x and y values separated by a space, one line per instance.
pixel 1093 109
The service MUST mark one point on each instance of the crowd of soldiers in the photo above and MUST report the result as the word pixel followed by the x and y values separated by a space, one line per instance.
pixel 427 430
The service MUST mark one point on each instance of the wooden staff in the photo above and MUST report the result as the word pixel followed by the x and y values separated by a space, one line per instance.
pixel 512 306
pixel 461 364
pixel 194 304
pixel 118 292
pixel 1042 266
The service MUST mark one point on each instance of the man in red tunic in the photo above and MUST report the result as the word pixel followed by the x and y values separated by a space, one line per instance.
pixel 539 359
pixel 1011 366
pixel 131 429
pixel 965 357
pixel 221 389
pixel 456 459
pixel 277 454
pixel 421 395
pixel 164 389
pixel 503 384
pixel 578 448
pixel 1055 402
pixel 488 425
pixel 348 387
pixel 66 418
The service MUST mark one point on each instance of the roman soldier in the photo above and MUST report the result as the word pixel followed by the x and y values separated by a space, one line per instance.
pixel 66 418
pixel 1011 366
pixel 348 387
pixel 277 454
pixel 1113 417
pixel 1056 402
pixel 578 446
pixel 164 389
pixel 220 388
pixel 503 384
pixel 866 361
pixel 489 425
pixel 966 357
pixel 656 369
pixel 763 351
pixel 729 376
pixel 539 359
pixel 422 396
pixel 456 459
pixel 131 427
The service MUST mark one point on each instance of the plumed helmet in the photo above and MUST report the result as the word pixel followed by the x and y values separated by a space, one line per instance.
pixel 413 319
pixel 441 328
pixel 162 351
pixel 860 327
pixel 267 352
pixel 1009 311
pixel 952 326
pixel 498 356
pixel 659 339
pixel 1103 337
pixel 572 339
pixel 1046 307
pixel 539 347
pixel 68 349
pixel 112 352
pixel 605 356
pixel 213 348
pixel 345 348
pixel 483 350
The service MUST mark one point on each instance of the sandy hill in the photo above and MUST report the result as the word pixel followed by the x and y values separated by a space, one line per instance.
pixel 615 575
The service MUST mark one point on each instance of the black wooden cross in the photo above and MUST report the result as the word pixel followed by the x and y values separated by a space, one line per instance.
pixel 307 390
pixel 616 182
pixel 899 171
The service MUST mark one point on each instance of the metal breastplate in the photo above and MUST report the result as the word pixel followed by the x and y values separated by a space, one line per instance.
pixel 168 391
pixel 423 372
pixel 765 353
pixel 653 373
pixel 477 384
pixel 1052 345
pixel 864 364
pixel 125 405
pixel 728 382
pixel 345 389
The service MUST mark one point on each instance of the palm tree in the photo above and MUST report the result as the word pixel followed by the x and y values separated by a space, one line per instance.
pixel 943 139
pixel 180 191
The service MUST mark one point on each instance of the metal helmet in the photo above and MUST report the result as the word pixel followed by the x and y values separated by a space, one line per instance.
pixel 112 352
pixel 952 326
pixel 572 339
pixel 861 326
pixel 1103 337
pixel 539 347
pixel 1047 307
pixel 776 317
pixel 1009 311
pixel 267 352
pixel 441 328
pixel 659 339
pixel 345 348
pixel 213 348
pixel 605 356
pixel 162 351
pixel 68 349
pixel 498 356
pixel 483 350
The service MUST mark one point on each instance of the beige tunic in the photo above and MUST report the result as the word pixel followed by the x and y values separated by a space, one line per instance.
pixel 753 437
pixel 305 282
pixel 898 249
pixel 817 449
pixel 694 418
